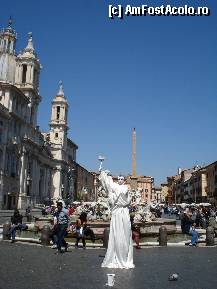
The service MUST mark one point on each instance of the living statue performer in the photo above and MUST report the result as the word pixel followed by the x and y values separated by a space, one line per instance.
pixel 120 246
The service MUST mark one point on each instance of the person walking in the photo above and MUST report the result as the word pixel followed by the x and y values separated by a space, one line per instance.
pixel 61 219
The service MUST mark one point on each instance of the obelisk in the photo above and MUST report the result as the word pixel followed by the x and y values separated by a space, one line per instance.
pixel 134 154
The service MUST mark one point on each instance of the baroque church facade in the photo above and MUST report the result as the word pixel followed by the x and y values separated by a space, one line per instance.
pixel 35 167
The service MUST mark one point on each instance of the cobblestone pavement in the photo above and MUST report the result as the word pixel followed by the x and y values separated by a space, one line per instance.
pixel 24 266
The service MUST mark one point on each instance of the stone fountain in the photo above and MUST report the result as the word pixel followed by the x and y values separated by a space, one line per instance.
pixel 98 215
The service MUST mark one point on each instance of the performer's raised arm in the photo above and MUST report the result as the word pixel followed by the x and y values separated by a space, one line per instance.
pixel 109 186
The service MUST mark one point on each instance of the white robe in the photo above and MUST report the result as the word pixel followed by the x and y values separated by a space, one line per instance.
pixel 120 246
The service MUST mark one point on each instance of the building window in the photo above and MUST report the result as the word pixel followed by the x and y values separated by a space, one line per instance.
pixel 56 135
pixel 58 112
pixel 146 190
pixel 24 73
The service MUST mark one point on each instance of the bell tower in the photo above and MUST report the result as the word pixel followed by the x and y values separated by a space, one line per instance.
pixel 27 77
pixel 7 54
pixel 28 67
pixel 59 115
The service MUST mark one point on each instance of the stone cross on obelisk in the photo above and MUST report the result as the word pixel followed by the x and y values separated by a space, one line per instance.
pixel 134 154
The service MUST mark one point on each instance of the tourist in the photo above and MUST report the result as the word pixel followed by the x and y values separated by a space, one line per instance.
pixel 16 224
pixel 61 220
pixel 188 227
pixel 79 234
pixel 135 231
pixel 120 245
pixel 83 231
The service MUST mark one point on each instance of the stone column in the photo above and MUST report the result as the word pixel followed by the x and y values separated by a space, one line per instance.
pixel 45 182
pixel 32 74
pixel 22 171
pixel 34 181
pixel 57 194
pixel 23 179
pixel 44 191
pixel 16 73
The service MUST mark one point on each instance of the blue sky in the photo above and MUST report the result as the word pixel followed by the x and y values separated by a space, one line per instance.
pixel 158 74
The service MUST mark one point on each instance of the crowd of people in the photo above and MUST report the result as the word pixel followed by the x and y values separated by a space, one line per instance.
pixel 62 227
pixel 192 217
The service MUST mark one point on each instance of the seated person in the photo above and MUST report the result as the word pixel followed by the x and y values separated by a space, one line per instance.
pixel 87 230
pixel 16 224
pixel 82 230
pixel 188 227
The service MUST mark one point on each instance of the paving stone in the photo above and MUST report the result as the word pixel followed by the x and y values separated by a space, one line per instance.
pixel 34 267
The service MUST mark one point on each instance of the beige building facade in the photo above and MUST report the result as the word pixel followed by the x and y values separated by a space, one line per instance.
pixel 164 192
pixel 35 167
pixel 195 185
pixel 144 184
pixel 211 182
pixel 85 189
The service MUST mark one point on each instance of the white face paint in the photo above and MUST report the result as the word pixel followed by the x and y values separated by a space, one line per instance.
pixel 120 180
